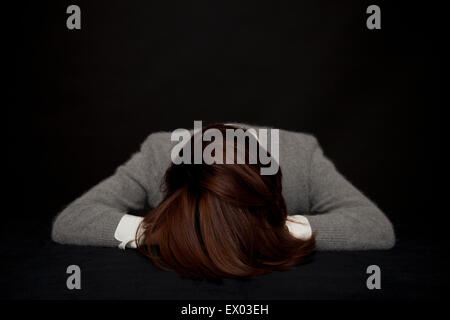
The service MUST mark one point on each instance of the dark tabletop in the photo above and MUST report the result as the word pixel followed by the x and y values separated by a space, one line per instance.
pixel 35 268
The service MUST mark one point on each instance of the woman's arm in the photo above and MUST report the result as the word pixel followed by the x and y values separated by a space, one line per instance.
pixel 340 215
pixel 92 219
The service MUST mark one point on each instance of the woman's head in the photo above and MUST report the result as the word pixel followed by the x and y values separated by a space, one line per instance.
pixel 221 221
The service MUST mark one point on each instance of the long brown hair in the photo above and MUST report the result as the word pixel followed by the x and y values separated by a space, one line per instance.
pixel 221 221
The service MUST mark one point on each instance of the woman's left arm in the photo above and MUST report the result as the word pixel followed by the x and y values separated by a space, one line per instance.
pixel 342 217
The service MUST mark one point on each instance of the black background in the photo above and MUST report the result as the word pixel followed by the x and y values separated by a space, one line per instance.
pixel 81 101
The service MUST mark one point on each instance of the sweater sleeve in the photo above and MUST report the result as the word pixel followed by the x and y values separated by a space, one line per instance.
pixel 93 218
pixel 340 215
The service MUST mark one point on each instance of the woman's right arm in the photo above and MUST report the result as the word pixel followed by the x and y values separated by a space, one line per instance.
pixel 92 219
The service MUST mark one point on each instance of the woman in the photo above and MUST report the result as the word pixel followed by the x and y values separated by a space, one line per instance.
pixel 226 220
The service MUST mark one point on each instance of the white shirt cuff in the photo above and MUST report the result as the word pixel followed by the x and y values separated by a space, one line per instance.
pixel 300 228
pixel 126 231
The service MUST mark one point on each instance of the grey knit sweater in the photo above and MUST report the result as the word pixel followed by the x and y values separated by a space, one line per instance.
pixel 340 215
